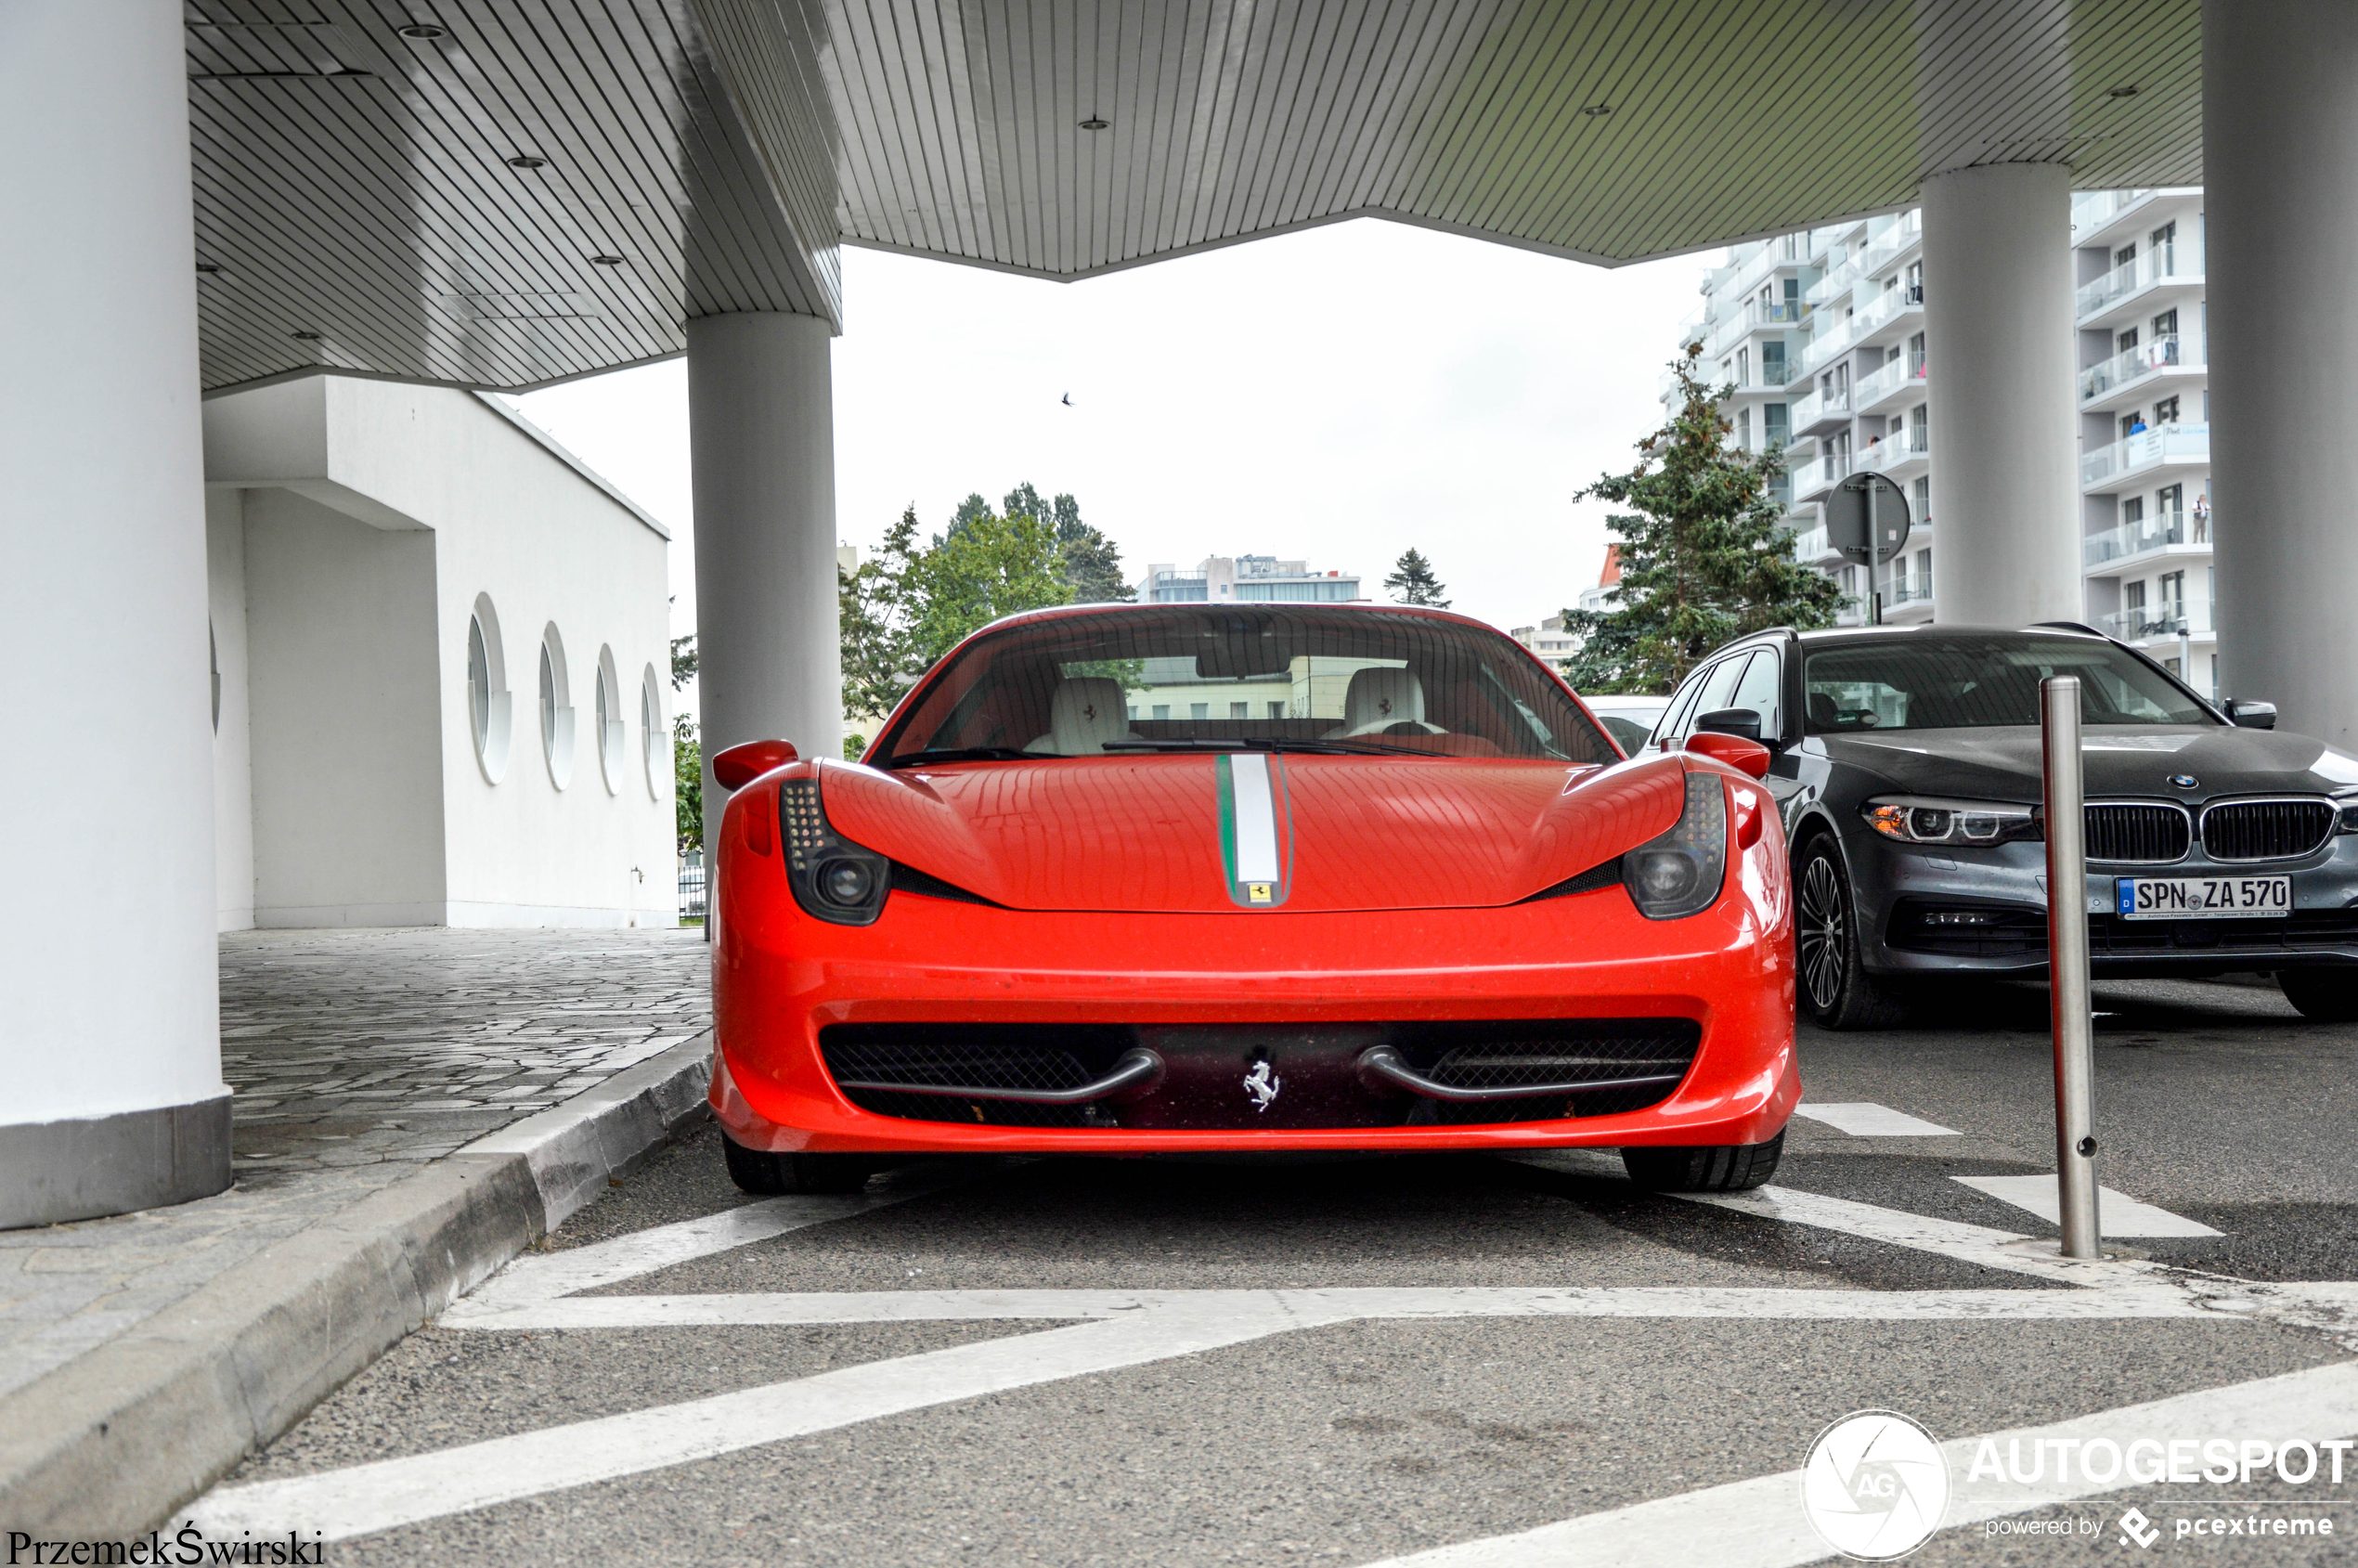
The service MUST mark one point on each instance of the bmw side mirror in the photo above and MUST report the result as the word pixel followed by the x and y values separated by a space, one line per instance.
pixel 1741 721
pixel 2250 713
pixel 740 765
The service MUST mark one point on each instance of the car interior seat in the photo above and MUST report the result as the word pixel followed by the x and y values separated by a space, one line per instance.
pixel 1085 713
pixel 1823 715
pixel 1383 701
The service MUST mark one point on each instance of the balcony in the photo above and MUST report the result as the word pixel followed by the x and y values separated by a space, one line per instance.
pixel 1899 308
pixel 1754 316
pixel 2093 212
pixel 1820 408
pixel 1885 248
pixel 2104 553
pixel 1875 388
pixel 2175 354
pixel 1814 479
pixel 1829 345
pixel 1896 451
pixel 2163 445
pixel 1809 545
pixel 1834 284
pixel 2161 621
pixel 2178 265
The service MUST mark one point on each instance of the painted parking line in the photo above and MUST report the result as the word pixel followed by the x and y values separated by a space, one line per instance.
pixel 1950 1238
pixel 1864 1119
pixel 1758 1523
pixel 2117 1213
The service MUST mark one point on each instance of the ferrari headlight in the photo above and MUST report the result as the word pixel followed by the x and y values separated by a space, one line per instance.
pixel 834 879
pixel 1921 820
pixel 1679 873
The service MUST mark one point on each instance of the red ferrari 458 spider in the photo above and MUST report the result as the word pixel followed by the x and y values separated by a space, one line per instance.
pixel 1124 879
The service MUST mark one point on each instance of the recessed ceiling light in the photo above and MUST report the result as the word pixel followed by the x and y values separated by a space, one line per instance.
pixel 420 30
pixel 309 337
pixel 1596 109
pixel 207 268
pixel 526 161
pixel 1094 124
pixel 2122 93
pixel 607 261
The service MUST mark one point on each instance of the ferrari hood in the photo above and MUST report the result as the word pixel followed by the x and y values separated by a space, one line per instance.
pixel 1246 831
pixel 2002 763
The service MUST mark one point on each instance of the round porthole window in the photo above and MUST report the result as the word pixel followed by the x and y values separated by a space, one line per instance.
pixel 489 715
pixel 614 732
pixel 654 743
pixel 556 708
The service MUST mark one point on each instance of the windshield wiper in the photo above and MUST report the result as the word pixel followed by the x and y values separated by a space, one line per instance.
pixel 961 753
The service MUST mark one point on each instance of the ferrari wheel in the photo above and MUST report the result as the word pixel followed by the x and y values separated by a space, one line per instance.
pixel 2330 996
pixel 1833 991
pixel 769 1175
pixel 1730 1168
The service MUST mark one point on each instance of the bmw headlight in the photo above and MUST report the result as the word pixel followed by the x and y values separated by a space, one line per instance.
pixel 834 879
pixel 2347 798
pixel 1679 873
pixel 1921 819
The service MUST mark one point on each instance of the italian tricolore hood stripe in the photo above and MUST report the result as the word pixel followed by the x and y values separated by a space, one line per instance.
pixel 1256 849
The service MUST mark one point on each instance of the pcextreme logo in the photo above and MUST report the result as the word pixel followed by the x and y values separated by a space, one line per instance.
pixel 1875 1485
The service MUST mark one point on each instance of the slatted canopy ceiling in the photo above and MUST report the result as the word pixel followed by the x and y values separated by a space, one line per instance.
pixel 356 182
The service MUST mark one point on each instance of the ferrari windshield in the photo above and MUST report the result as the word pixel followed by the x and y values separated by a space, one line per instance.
pixel 1170 678
pixel 1960 682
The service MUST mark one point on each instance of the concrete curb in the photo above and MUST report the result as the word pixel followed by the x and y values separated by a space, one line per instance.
pixel 113 1443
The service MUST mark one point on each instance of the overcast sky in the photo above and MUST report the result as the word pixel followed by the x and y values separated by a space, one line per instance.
pixel 1339 395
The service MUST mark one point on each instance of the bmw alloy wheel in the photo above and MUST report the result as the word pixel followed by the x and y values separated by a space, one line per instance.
pixel 1823 933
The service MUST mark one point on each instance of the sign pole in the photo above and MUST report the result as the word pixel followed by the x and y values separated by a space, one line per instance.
pixel 2069 1000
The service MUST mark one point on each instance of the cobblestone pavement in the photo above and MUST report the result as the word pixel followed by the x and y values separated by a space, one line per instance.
pixel 356 1055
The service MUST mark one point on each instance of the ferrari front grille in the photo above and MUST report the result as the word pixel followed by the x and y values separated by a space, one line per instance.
pixel 2266 830
pixel 1231 1076
pixel 2132 833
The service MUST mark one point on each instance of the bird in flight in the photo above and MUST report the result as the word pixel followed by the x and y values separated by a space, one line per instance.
pixel 1068 399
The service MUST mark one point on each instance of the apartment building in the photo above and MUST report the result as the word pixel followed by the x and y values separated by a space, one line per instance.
pixel 1821 334
pixel 1245 579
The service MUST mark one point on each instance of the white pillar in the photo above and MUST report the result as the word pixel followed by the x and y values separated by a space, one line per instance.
pixel 1997 337
pixel 761 438
pixel 111 1092
pixel 2280 157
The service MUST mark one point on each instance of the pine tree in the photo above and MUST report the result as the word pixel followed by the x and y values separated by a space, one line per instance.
pixel 1705 556
pixel 1412 581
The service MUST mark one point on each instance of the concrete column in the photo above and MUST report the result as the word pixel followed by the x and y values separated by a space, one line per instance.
pixel 2280 155
pixel 110 1091
pixel 1997 337
pixel 761 440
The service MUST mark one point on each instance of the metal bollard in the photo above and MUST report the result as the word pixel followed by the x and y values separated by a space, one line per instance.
pixel 2067 965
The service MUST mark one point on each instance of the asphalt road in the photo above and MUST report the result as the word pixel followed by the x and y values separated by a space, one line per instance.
pixel 1166 1362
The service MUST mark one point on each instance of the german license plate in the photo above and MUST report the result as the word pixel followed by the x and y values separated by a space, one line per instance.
pixel 2203 898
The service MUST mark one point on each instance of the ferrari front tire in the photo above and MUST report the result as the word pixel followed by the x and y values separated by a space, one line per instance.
pixel 770 1175
pixel 2330 996
pixel 1834 988
pixel 1729 1168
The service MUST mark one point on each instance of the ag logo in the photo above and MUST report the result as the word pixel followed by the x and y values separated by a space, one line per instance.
pixel 1875 1485
pixel 2135 1526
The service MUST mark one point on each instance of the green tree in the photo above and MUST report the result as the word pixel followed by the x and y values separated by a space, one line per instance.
pixel 973 509
pixel 993 567
pixel 875 607
pixel 687 779
pixel 1092 562
pixel 684 660
pixel 1412 581
pixel 1704 556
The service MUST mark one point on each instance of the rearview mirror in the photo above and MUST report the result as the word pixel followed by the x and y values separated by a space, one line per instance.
pixel 740 765
pixel 2251 713
pixel 1741 753
pixel 1741 721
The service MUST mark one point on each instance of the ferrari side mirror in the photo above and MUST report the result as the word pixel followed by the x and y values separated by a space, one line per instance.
pixel 2250 713
pixel 740 765
pixel 1741 752
pixel 1741 721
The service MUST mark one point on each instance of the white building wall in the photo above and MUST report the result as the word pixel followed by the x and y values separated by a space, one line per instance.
pixel 225 518
pixel 375 516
